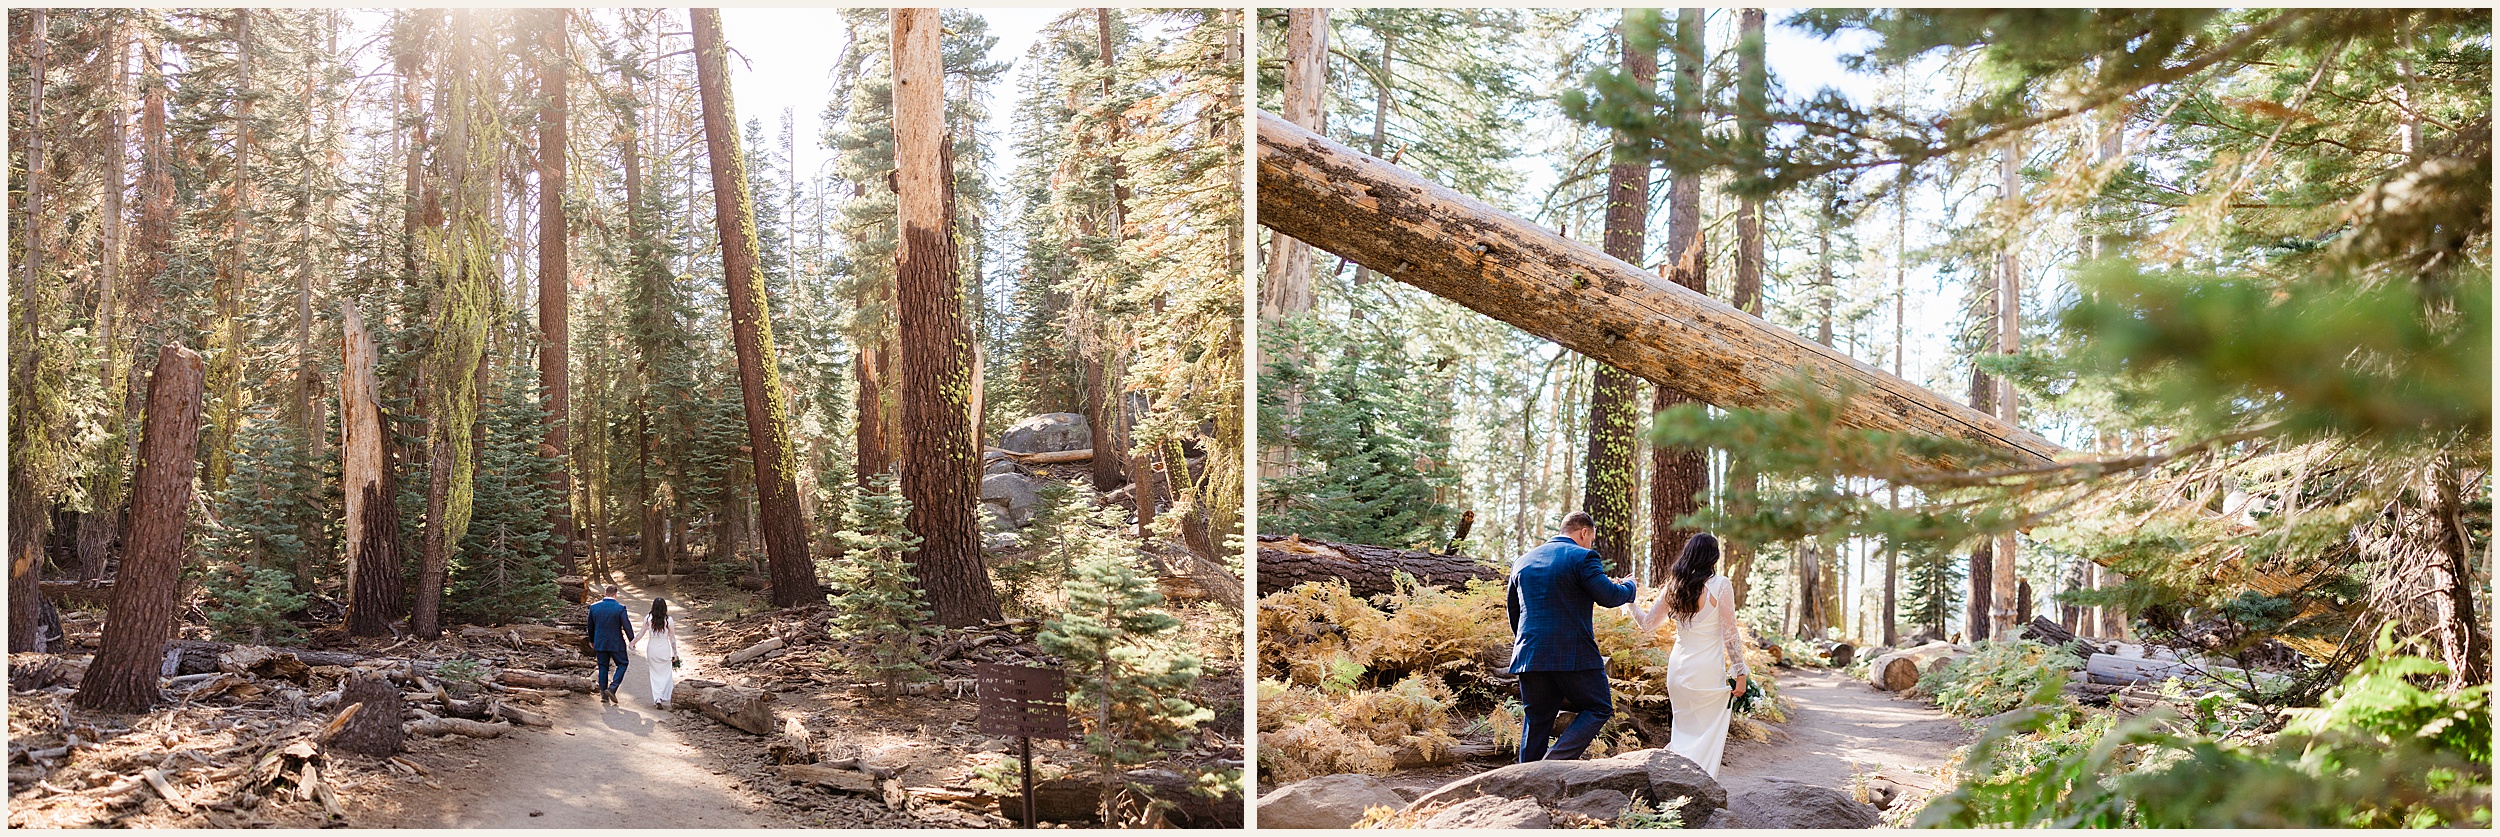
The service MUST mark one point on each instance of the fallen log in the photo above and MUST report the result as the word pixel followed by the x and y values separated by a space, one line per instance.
pixel 738 706
pixel 78 595
pixel 2045 632
pixel 1427 235
pixel 2111 669
pixel 543 680
pixel 836 778
pixel 752 651
pixel 197 656
pixel 522 716
pixel 457 726
pixel 1048 457
pixel 1899 670
pixel 1288 560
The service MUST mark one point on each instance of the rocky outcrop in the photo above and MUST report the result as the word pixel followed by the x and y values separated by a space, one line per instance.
pixel 1047 433
pixel 1489 812
pixel 1785 804
pixel 1657 775
pixel 1336 801
pixel 1015 494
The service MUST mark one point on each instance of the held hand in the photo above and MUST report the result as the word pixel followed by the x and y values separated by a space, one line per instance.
pixel 1739 689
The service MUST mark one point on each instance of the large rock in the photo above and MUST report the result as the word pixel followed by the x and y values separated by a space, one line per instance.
pixel 1016 493
pixel 1656 774
pixel 1048 432
pixel 1490 812
pixel 995 462
pixel 1602 805
pixel 738 706
pixel 1786 804
pixel 1326 802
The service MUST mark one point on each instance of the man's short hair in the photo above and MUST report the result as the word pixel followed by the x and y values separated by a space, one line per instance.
pixel 612 588
pixel 1579 521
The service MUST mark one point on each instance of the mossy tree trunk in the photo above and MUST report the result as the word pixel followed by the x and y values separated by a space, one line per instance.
pixel 936 362
pixel 1614 393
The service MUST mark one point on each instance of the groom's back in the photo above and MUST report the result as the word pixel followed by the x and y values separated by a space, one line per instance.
pixel 1553 589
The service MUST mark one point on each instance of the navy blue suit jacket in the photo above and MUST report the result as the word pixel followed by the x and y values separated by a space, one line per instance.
pixel 611 628
pixel 1554 592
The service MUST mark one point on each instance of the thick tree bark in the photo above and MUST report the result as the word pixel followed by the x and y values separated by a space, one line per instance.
pixel 1289 560
pixel 751 327
pixel 554 285
pixel 132 653
pixel 939 460
pixel 1496 263
pixel 1614 393
pixel 1679 476
pixel 225 384
pixel 869 405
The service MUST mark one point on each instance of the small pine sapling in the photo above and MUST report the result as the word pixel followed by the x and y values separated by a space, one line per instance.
pixel 1128 667
pixel 877 604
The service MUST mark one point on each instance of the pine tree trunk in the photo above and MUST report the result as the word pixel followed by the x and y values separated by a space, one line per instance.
pixel 1680 476
pixel 1745 294
pixel 2463 642
pixel 373 582
pixel 98 527
pixel 459 352
pixel 30 513
pixel 131 656
pixel 1286 290
pixel 939 460
pixel 226 377
pixel 751 328
pixel 869 405
pixel 554 283
pixel 2006 575
pixel 1614 393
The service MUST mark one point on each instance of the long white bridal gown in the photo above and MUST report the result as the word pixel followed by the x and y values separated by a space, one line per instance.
pixel 659 646
pixel 1706 655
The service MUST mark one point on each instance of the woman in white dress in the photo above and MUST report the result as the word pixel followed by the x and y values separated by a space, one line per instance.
pixel 1707 652
pixel 659 650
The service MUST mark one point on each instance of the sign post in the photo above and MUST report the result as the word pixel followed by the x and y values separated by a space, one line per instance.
pixel 1024 702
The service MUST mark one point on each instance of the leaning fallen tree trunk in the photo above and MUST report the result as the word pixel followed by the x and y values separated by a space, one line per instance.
pixel 1288 560
pixel 2114 670
pixel 1418 232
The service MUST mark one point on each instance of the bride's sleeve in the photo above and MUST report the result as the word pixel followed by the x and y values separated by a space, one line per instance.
pixel 1729 633
pixel 1647 619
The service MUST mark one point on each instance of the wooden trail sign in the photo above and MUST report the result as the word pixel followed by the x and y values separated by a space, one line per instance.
pixel 1027 703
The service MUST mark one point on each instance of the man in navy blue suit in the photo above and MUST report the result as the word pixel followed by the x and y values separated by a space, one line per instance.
pixel 611 632
pixel 1554 590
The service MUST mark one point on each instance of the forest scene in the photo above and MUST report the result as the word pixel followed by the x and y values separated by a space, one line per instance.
pixel 358 357
pixel 2093 407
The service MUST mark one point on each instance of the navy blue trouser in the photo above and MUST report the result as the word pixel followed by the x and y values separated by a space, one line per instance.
pixel 1546 694
pixel 621 659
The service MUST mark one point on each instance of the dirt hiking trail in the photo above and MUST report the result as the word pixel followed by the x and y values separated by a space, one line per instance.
pixel 601 766
pixel 1839 721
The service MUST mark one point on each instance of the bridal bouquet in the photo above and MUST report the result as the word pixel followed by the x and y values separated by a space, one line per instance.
pixel 1744 703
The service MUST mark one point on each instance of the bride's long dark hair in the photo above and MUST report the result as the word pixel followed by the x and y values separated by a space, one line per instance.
pixel 659 614
pixel 1692 572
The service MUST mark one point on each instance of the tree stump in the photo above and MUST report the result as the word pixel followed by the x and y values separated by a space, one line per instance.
pixel 368 719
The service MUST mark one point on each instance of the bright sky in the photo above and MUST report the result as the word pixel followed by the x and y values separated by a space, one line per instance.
pixel 790 55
